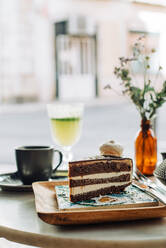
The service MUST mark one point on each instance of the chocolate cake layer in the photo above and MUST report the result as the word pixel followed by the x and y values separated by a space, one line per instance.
pixel 81 168
pixel 82 182
pixel 96 193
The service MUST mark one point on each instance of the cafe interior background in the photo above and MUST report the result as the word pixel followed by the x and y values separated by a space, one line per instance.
pixel 62 51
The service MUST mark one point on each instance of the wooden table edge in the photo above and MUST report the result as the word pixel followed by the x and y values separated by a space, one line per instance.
pixel 44 240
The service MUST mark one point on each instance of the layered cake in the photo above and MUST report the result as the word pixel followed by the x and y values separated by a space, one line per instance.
pixel 100 175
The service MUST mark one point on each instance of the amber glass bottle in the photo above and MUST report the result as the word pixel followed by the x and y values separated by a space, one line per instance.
pixel 146 149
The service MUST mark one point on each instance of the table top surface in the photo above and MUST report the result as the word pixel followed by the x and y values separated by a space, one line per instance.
pixel 20 223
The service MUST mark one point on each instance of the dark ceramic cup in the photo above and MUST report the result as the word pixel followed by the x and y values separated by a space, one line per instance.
pixel 35 163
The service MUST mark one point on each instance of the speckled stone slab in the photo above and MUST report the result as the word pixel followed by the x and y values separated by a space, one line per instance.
pixel 131 197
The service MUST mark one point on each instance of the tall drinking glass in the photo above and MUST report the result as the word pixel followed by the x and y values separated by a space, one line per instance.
pixel 65 123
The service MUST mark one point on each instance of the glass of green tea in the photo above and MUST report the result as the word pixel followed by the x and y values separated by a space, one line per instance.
pixel 65 123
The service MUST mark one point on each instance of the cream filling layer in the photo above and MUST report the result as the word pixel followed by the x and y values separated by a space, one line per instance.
pixel 94 187
pixel 102 175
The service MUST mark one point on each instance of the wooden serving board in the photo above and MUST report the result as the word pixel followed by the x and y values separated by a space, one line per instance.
pixel 47 209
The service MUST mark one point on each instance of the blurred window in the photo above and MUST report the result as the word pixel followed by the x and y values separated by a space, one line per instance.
pixel 16 50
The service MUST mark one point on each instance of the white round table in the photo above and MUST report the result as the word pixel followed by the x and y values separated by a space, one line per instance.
pixel 20 223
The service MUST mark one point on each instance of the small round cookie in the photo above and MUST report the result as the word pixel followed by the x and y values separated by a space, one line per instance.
pixel 111 149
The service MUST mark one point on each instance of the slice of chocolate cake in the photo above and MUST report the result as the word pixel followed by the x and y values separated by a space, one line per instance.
pixel 99 176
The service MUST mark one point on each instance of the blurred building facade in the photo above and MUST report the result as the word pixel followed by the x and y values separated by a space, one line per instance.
pixel 98 32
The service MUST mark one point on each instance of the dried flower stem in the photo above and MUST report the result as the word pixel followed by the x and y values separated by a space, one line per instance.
pixel 146 99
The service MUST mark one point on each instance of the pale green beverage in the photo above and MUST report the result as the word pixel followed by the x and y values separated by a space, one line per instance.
pixel 66 131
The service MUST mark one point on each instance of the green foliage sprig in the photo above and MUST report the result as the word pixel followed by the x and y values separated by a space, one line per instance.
pixel 147 99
